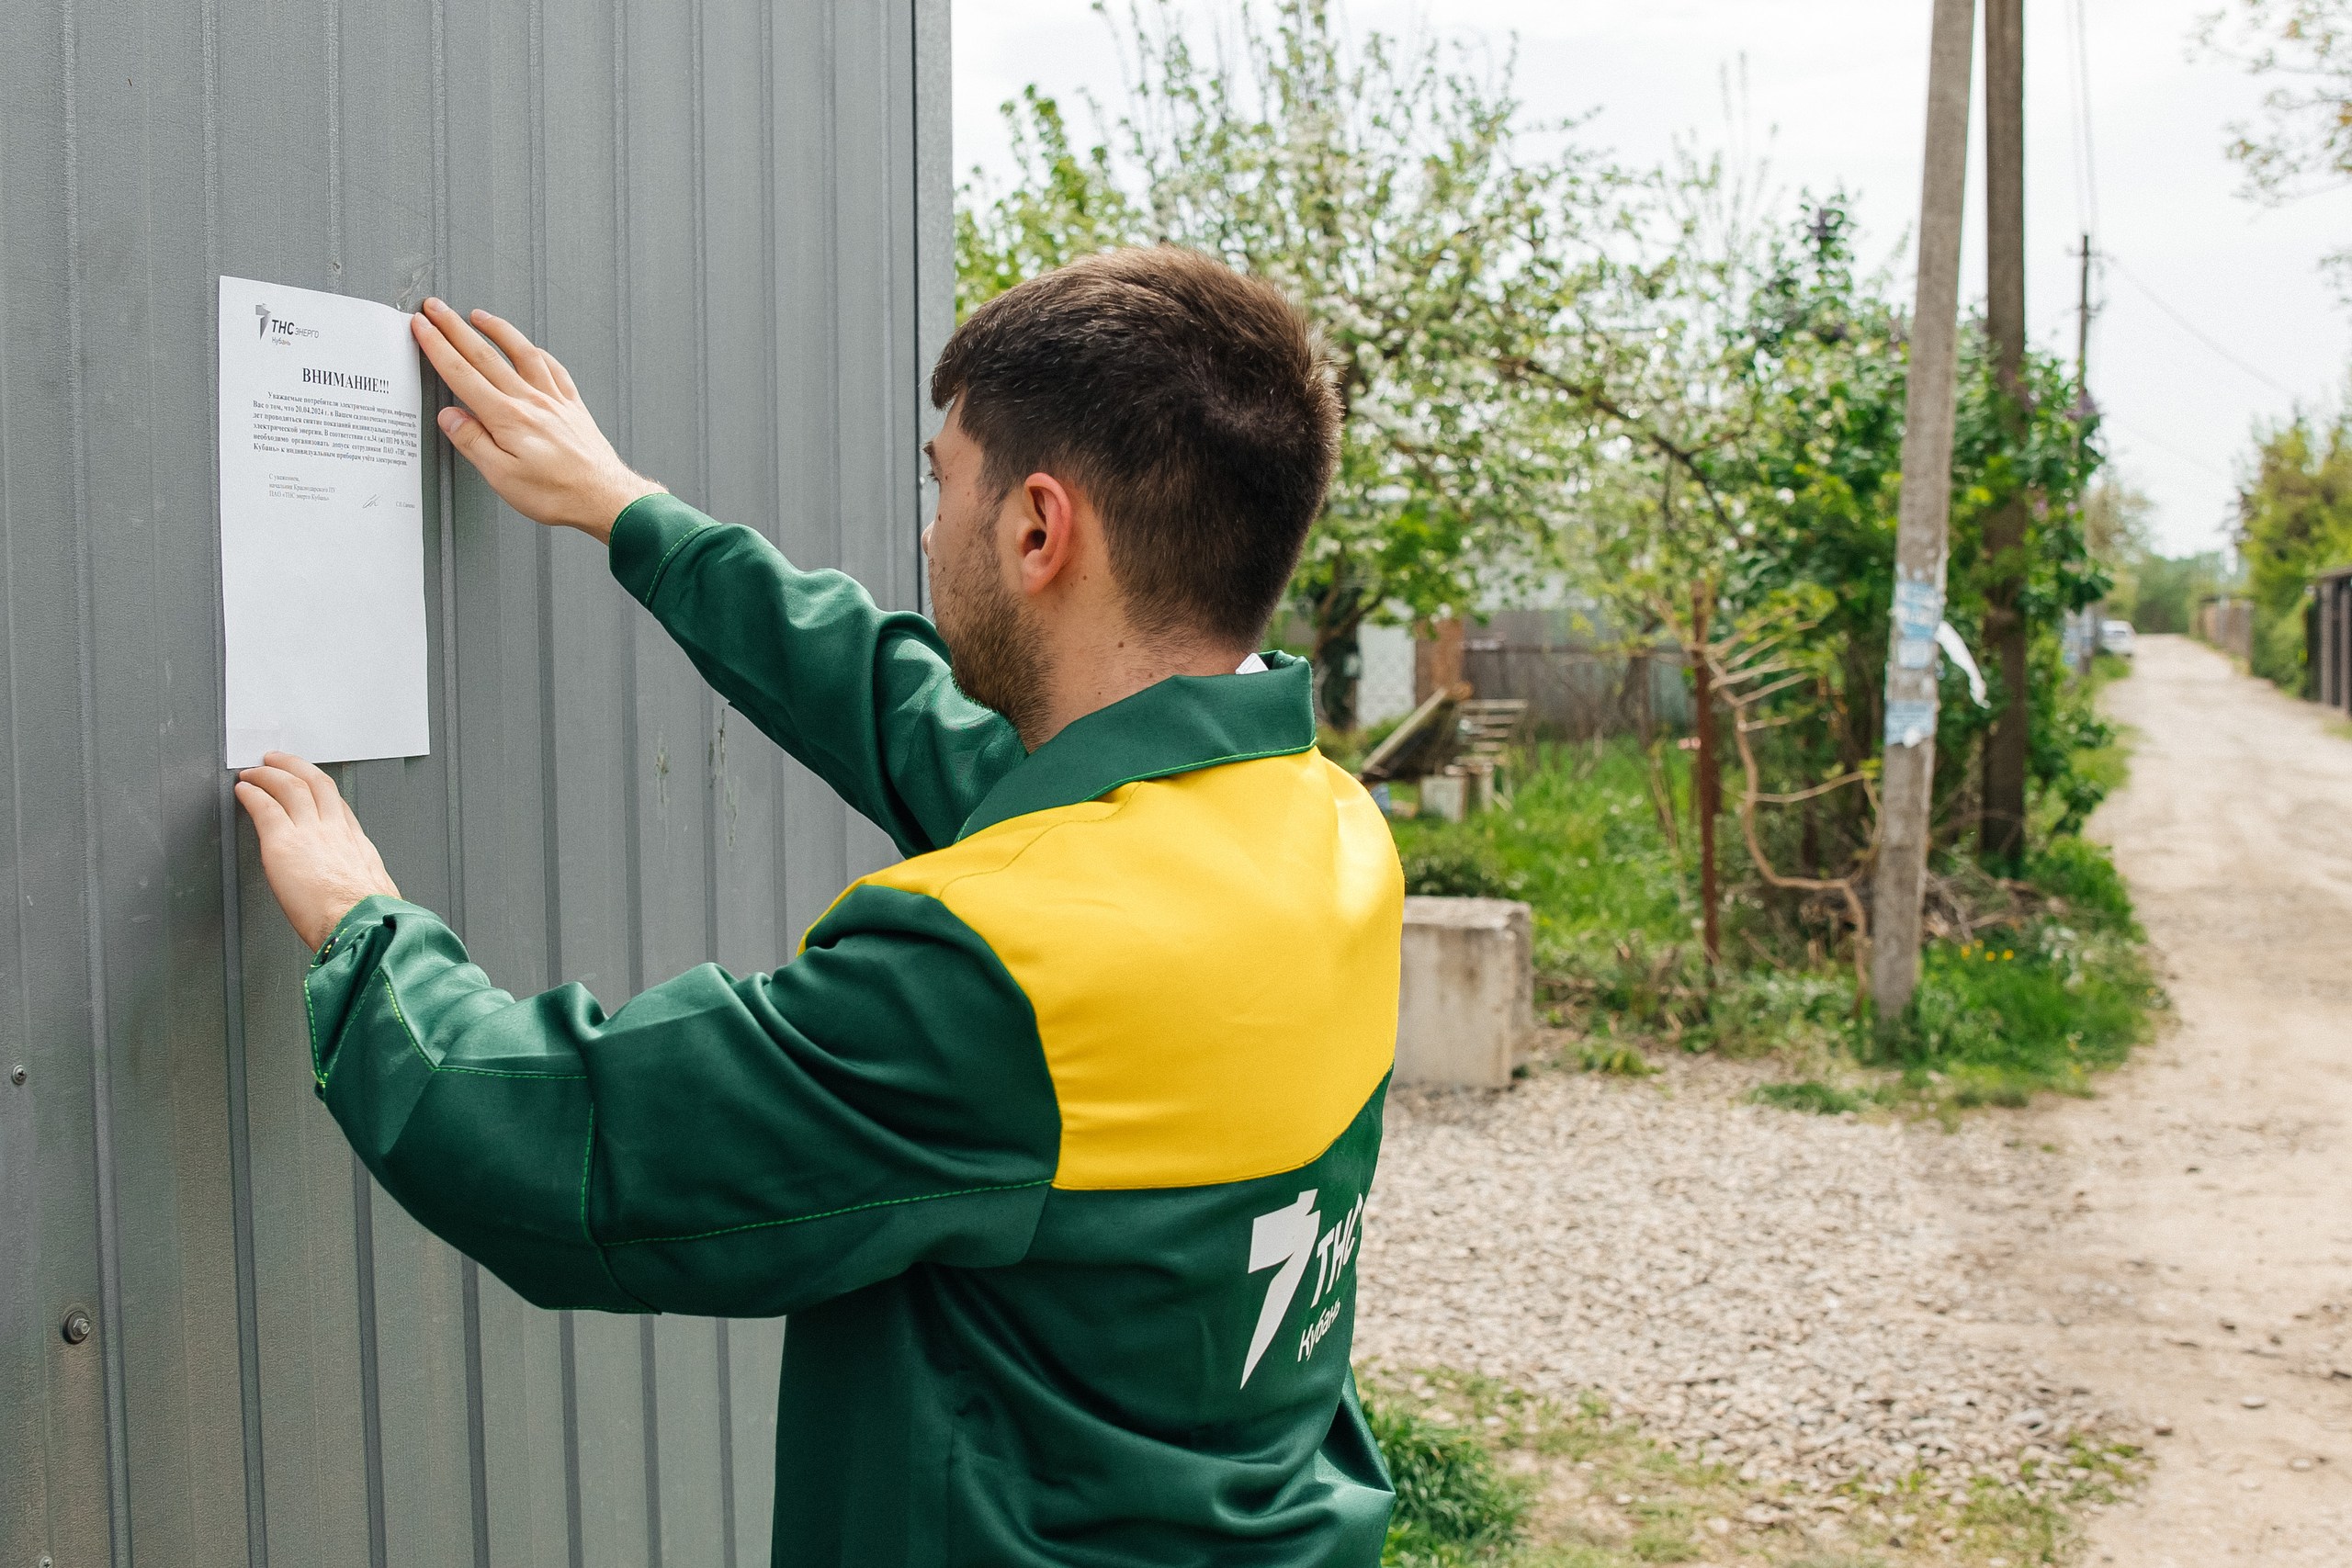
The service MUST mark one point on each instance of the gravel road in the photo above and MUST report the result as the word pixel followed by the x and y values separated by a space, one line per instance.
pixel 1783 1292
pixel 1812 1298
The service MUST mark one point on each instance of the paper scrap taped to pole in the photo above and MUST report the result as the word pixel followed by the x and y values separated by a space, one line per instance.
pixel 1909 723
pixel 1950 641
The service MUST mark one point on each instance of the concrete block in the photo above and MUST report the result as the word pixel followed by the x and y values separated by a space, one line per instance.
pixel 1466 1012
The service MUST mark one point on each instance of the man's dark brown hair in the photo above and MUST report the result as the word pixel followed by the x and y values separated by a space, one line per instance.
pixel 1188 402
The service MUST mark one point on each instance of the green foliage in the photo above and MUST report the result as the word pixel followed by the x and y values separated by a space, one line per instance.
pixel 2294 521
pixel 1796 480
pixel 1614 895
pixel 1452 1504
pixel 2073 761
pixel 1457 865
pixel 1807 1094
pixel 1618 1060
pixel 2168 591
pixel 2154 592
pixel 2082 883
pixel 2041 1009
pixel 1580 841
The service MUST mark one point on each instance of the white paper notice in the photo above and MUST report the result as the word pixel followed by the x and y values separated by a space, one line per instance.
pixel 321 526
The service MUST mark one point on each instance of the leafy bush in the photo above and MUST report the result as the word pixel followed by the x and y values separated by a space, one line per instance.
pixel 2081 877
pixel 1457 865
pixel 1763 1009
pixel 1452 1507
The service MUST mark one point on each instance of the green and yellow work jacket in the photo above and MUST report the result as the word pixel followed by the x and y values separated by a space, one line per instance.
pixel 1054 1138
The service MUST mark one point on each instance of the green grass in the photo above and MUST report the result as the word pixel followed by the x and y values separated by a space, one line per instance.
pixel 2015 1013
pixel 1808 1094
pixel 1580 841
pixel 1490 1475
pixel 1452 1506
pixel 2061 992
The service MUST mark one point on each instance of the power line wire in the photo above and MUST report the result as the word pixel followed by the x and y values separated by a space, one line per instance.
pixel 2193 330
pixel 2086 145
pixel 2165 448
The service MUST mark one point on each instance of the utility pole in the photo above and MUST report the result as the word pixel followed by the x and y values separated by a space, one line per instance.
pixel 1706 775
pixel 1907 778
pixel 2001 830
pixel 2083 335
pixel 2089 616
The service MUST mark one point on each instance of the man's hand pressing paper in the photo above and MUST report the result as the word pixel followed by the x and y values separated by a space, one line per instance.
pixel 317 857
pixel 524 424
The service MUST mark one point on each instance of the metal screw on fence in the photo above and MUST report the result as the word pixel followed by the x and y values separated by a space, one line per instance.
pixel 77 1327
pixel 16 1075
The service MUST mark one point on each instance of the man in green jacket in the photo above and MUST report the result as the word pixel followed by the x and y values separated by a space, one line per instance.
pixel 1054 1138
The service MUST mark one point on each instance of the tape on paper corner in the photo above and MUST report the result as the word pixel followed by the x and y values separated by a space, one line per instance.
pixel 1910 722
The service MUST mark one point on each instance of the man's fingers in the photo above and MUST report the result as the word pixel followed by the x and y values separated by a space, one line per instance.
pixel 477 349
pixel 320 782
pixel 562 376
pixel 472 439
pixel 292 795
pixel 269 817
pixel 528 358
pixel 474 389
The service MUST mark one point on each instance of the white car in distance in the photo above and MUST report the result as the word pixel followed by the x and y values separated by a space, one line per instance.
pixel 2116 638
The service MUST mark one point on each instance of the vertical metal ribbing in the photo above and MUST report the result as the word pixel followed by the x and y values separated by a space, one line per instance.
pixel 568 1363
pixel 771 135
pixel 232 956
pixel 714 722
pixel 832 165
pixel 333 19
pixel 444 464
pixel 624 428
pixel 371 1402
pixel 649 1386
pixel 726 1447
pixel 477 1438
pixel 110 1324
pixel 551 839
pixel 632 852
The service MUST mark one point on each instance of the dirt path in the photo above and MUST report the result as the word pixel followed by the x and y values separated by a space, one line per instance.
pixel 2185 1253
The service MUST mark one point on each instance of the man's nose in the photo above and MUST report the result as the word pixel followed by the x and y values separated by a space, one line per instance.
pixel 928 529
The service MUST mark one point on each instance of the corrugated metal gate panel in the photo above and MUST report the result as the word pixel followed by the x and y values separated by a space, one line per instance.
pixel 730 218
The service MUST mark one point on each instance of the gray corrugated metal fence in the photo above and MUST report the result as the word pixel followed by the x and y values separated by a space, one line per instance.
pixel 730 218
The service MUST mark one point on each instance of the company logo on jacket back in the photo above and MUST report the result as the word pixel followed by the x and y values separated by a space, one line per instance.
pixel 277 328
pixel 1293 1236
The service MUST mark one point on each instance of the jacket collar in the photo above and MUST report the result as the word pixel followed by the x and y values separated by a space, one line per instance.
pixel 1184 722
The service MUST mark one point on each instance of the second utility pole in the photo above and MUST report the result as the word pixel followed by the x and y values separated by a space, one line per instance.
pixel 1906 782
pixel 2001 835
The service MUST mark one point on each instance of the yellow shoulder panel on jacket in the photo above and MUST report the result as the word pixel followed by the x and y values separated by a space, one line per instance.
pixel 1213 959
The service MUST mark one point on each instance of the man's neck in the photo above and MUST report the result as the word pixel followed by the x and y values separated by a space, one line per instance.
pixel 1087 676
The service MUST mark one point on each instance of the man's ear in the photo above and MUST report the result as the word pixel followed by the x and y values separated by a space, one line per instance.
pixel 1045 546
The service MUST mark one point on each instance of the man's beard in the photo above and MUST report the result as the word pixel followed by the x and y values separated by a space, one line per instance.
pixel 993 649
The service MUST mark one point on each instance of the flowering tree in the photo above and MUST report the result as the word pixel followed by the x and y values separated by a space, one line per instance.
pixel 1386 189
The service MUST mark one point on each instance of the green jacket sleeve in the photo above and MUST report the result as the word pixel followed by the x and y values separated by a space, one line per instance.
pixel 718 1145
pixel 860 694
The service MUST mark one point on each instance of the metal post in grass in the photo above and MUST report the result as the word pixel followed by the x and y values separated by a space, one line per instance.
pixel 1908 777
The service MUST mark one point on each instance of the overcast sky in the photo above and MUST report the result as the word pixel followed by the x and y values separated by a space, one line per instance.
pixel 1834 96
